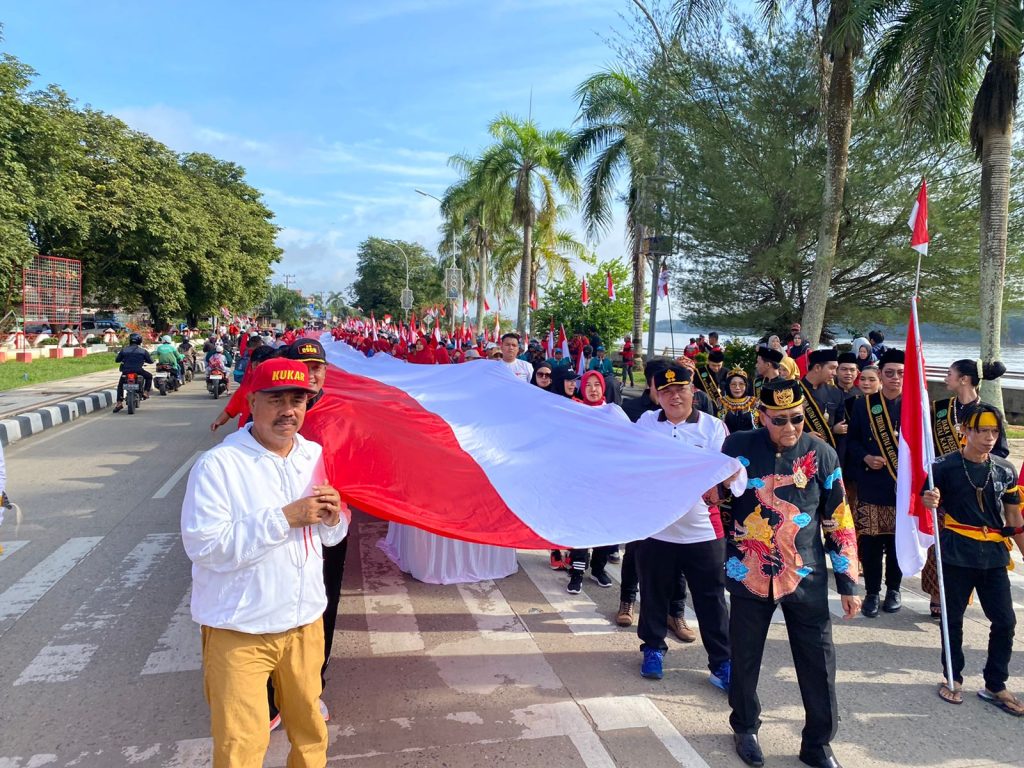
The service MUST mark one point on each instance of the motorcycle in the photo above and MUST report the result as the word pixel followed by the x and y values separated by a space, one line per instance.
pixel 166 377
pixel 216 383
pixel 132 390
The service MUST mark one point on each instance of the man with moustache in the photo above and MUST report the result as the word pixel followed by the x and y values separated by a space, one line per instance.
pixel 255 508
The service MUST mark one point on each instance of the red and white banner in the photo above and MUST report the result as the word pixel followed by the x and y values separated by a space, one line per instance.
pixel 918 222
pixel 914 529
pixel 663 282
pixel 426 445
pixel 611 287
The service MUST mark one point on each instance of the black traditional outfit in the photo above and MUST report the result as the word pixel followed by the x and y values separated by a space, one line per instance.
pixel 738 413
pixel 824 402
pixel 709 381
pixel 975 555
pixel 775 556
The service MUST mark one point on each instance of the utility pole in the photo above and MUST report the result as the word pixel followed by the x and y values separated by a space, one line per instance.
pixel 288 280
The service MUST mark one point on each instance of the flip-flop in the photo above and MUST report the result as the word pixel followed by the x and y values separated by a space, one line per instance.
pixel 936 610
pixel 951 695
pixel 1011 705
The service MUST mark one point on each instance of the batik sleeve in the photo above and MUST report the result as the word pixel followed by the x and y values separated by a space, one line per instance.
pixel 837 525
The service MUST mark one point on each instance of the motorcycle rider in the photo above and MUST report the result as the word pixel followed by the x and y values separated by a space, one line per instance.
pixel 132 358
pixel 168 354
pixel 188 354
pixel 217 362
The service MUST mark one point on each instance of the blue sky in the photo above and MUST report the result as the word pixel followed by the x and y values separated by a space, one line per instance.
pixel 338 110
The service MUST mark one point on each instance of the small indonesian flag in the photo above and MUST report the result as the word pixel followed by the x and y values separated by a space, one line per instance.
pixel 663 282
pixel 549 343
pixel 437 334
pixel 584 295
pixel 563 342
pixel 497 326
pixel 533 300
pixel 611 287
pixel 914 529
pixel 387 319
pixel 581 365
pixel 487 307
pixel 918 222
pixel 465 307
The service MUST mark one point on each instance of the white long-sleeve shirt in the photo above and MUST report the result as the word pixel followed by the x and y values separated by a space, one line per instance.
pixel 251 571
pixel 699 431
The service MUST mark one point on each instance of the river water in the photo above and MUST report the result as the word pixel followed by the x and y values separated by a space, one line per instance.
pixel 937 353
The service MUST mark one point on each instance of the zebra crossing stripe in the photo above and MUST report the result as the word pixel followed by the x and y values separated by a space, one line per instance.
pixel 8 548
pixel 27 591
pixel 579 612
pixel 390 617
pixel 77 641
pixel 179 648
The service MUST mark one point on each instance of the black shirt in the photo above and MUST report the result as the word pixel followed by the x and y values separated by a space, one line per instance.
pixel 953 476
pixel 874 486
pixel 132 358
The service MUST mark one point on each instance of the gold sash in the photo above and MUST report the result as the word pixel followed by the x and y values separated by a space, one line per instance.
pixel 883 431
pixel 947 439
pixel 815 418
pixel 708 383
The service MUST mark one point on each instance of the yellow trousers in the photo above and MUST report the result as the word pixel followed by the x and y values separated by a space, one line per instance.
pixel 236 666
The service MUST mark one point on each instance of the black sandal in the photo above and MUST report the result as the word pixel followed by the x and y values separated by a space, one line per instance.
pixel 935 609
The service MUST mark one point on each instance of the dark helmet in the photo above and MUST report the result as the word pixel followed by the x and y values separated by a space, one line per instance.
pixel 135 338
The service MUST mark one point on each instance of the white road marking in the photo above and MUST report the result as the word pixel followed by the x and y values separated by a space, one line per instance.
pixel 621 712
pixel 9 548
pixel 493 615
pixel 579 612
pixel 36 761
pixel 390 617
pixel 27 591
pixel 564 718
pixel 172 481
pixel 179 648
pixel 73 647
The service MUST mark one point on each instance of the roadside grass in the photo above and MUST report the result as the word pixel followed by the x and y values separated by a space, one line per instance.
pixel 1014 432
pixel 39 371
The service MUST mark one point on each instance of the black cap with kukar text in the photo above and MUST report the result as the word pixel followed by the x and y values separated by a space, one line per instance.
pixel 307 350
pixel 780 394
pixel 673 373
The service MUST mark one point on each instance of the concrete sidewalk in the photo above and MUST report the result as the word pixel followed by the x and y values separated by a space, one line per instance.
pixel 29 410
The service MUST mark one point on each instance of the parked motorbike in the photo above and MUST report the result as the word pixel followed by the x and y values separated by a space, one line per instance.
pixel 216 383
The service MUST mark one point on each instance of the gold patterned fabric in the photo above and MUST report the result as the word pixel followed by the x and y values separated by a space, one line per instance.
pixel 874 519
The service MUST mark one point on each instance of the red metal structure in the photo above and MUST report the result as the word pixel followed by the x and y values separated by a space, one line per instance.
pixel 52 294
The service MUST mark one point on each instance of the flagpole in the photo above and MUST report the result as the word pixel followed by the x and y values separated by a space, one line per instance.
pixel 930 485
pixel 671 331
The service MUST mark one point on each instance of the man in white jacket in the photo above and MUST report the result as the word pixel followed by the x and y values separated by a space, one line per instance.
pixel 257 511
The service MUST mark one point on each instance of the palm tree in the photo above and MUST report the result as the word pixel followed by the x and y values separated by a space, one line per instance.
pixel 618 136
pixel 954 68
pixel 553 249
pixel 531 164
pixel 476 213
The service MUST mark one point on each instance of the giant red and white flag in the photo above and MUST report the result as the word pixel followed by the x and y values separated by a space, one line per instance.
pixel 915 531
pixel 611 287
pixel 918 222
pixel 424 445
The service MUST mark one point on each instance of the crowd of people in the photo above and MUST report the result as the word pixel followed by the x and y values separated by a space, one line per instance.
pixel 266 531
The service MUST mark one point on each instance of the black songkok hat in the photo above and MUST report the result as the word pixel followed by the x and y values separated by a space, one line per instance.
pixel 780 394
pixel 673 373
pixel 891 356
pixel 716 356
pixel 771 355
pixel 845 358
pixel 822 356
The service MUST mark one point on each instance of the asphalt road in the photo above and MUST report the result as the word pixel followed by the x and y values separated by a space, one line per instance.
pixel 99 660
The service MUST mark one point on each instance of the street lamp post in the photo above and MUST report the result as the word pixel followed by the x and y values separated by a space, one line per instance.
pixel 406 297
pixel 452 275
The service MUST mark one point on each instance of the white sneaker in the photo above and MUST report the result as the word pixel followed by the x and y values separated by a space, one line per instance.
pixel 324 711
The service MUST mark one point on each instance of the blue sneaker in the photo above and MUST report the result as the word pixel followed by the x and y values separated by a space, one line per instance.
pixel 722 675
pixel 651 668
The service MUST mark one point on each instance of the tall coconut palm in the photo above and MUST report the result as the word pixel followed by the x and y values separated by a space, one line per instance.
pixel 477 213
pixel 617 137
pixel 553 250
pixel 531 164
pixel 954 68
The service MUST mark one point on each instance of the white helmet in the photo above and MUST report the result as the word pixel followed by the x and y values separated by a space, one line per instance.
pixel 218 348
pixel 165 339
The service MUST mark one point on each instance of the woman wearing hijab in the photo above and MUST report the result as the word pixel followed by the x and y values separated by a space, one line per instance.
pixel 739 406
pixel 563 382
pixel 543 375
pixel 862 349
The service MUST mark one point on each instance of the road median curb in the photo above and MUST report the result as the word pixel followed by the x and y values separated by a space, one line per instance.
pixel 34 421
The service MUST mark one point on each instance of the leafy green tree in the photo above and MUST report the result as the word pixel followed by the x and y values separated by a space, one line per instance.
pixel 610 319
pixel 381 276
pixel 531 164
pixel 284 304
pixel 954 68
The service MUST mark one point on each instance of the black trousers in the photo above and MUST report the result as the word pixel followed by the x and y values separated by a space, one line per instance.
pixel 334 570
pixel 993 587
pixel 659 564
pixel 631 583
pixel 871 550
pixel 809 626
pixel 598 560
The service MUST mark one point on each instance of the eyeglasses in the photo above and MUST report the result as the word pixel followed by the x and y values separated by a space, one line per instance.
pixel 543 375
pixel 781 421
pixel 892 373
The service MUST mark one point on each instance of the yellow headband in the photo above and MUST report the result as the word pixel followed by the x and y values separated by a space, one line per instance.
pixel 985 419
